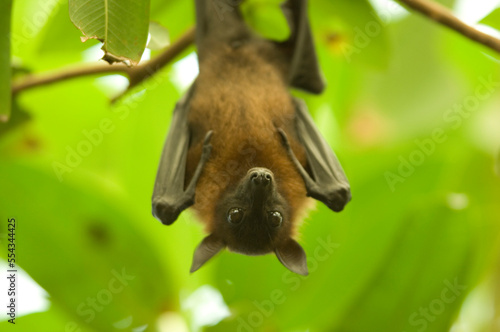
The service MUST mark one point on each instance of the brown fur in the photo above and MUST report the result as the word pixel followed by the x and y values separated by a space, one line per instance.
pixel 243 98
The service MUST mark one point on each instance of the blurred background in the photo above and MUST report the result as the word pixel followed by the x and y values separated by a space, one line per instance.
pixel 411 110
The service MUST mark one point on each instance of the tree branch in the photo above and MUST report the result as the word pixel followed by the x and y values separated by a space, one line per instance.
pixel 139 73
pixel 444 16
pixel 135 74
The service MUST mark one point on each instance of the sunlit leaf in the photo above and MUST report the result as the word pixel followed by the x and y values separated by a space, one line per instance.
pixel 159 37
pixel 122 26
pixel 492 19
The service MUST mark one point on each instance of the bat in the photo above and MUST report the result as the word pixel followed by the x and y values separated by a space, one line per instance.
pixel 241 151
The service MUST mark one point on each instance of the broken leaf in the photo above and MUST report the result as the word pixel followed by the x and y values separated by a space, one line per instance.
pixel 122 26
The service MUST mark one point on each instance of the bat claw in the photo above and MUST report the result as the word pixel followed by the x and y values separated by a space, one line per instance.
pixel 208 137
pixel 207 147
pixel 284 139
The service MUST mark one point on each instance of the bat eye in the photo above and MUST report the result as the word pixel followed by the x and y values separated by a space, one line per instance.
pixel 235 215
pixel 276 219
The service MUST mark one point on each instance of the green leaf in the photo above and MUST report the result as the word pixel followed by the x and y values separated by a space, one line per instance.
pixel 159 37
pixel 81 249
pixel 5 71
pixel 122 26
pixel 266 18
pixel 492 19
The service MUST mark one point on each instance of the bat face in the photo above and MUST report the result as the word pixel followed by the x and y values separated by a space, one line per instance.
pixel 253 216
pixel 253 219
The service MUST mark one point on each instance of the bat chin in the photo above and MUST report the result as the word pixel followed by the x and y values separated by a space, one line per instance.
pixel 249 249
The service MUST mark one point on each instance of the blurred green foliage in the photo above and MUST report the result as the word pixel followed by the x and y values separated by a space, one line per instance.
pixel 5 71
pixel 266 18
pixel 493 19
pixel 393 81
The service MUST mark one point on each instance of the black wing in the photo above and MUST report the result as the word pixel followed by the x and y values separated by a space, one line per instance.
pixel 170 197
pixel 303 67
pixel 327 181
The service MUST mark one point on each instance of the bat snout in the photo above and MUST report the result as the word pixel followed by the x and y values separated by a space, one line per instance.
pixel 260 177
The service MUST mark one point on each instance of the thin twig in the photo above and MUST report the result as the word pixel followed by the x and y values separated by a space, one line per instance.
pixel 34 80
pixel 444 16
pixel 135 74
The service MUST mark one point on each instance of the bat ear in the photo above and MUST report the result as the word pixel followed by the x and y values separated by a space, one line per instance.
pixel 210 246
pixel 292 256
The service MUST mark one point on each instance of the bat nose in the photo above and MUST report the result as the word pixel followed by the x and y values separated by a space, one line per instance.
pixel 261 177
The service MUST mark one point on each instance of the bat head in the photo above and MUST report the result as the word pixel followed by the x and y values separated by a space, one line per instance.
pixel 253 219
